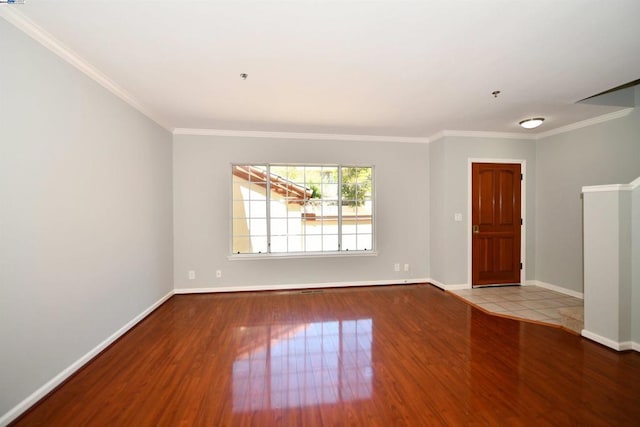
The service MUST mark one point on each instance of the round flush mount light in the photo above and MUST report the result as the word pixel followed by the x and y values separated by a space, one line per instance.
pixel 532 123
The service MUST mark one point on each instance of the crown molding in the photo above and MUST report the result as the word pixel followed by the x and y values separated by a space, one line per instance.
pixel 294 135
pixel 480 134
pixel 47 40
pixel 409 139
pixel 513 135
pixel 584 123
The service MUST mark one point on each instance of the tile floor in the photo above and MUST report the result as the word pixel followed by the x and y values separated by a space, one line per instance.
pixel 528 302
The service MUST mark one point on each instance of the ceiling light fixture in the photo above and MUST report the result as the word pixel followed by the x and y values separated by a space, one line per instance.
pixel 244 76
pixel 532 123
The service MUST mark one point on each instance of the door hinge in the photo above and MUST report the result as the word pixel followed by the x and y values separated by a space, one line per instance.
pixel 520 266
pixel 521 221
pixel 521 177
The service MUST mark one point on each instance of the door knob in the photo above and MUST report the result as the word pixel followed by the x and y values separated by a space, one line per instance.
pixel 476 229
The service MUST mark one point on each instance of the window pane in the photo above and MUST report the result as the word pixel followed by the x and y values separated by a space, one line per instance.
pixel 313 227
pixel 296 243
pixel 242 245
pixel 349 242
pixel 294 225
pixel 363 226
pixel 348 226
pixel 241 226
pixel 313 175
pixel 278 227
pixel 329 191
pixel 258 209
pixel 279 244
pixel 365 242
pixel 239 209
pixel 330 242
pixel 313 243
pixel 278 207
pixel 259 244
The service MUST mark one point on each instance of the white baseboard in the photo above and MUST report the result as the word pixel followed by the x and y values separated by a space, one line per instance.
pixel 618 346
pixel 555 288
pixel 448 287
pixel 293 286
pixel 21 407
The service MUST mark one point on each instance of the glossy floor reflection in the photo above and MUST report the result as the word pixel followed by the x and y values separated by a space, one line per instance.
pixel 407 355
pixel 301 364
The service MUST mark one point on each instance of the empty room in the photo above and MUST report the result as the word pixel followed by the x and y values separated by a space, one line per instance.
pixel 319 213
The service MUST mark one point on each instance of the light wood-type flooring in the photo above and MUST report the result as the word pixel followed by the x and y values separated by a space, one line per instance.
pixel 408 355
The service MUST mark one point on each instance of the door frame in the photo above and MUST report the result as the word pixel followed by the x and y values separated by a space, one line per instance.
pixel 523 214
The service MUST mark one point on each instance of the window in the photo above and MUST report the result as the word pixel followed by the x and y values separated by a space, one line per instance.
pixel 301 209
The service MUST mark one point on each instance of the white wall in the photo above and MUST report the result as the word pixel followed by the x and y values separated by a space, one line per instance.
pixel 85 215
pixel 202 185
pixel 449 164
pixel 605 153
pixel 607 256
pixel 610 245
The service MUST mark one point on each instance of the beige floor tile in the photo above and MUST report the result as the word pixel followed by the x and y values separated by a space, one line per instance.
pixel 492 307
pixel 511 306
pixel 516 297
pixel 544 295
pixel 533 289
pixel 571 302
pixel 550 312
pixel 554 303
pixel 530 302
pixel 538 304
pixel 476 299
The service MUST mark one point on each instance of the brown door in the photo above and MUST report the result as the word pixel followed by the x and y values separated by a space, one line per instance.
pixel 495 215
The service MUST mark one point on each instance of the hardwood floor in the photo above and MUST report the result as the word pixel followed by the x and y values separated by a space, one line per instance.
pixel 381 356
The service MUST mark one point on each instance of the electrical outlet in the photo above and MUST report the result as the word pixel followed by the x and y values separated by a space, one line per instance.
pixel 192 275
pixel 406 267
pixel 396 267
pixel 218 273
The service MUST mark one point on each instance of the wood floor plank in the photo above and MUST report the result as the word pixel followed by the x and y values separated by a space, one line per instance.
pixel 395 355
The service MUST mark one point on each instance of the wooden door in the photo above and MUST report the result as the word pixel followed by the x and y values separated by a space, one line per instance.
pixel 496 223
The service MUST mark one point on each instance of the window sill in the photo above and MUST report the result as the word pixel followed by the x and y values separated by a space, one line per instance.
pixel 341 254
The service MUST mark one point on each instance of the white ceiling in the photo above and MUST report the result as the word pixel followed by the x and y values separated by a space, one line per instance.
pixel 386 68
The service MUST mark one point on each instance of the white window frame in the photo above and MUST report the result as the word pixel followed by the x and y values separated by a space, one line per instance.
pixel 316 254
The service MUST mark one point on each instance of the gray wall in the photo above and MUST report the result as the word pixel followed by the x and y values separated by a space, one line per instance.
pixel 449 174
pixel 606 153
pixel 202 183
pixel 85 215
pixel 438 242
pixel 635 265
